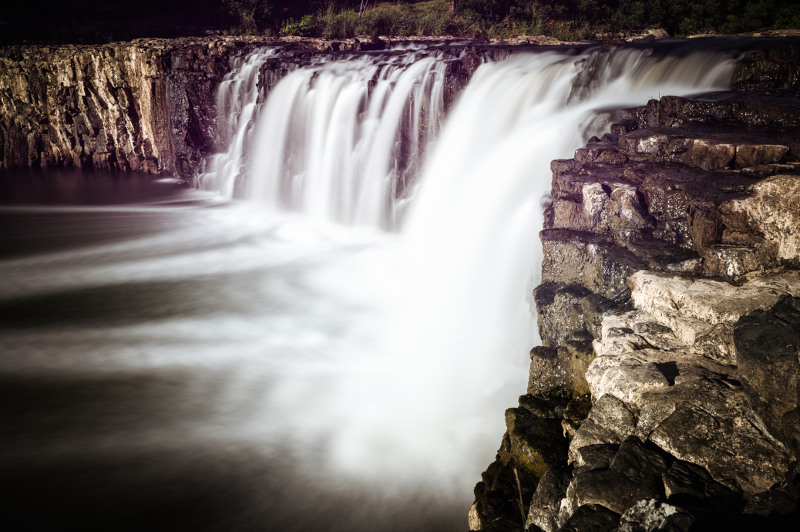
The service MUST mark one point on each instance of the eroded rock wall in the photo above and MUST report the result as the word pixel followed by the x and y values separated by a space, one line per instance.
pixel 145 105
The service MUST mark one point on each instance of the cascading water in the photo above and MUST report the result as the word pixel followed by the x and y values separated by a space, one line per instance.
pixel 338 140
pixel 458 321
pixel 286 369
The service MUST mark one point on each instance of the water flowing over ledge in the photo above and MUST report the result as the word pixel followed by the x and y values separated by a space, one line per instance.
pixel 344 140
pixel 357 141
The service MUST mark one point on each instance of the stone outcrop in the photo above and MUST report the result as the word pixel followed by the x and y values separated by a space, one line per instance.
pixel 145 105
pixel 669 313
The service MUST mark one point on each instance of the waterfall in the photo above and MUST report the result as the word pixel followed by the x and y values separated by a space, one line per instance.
pixel 358 142
pixel 237 105
pixel 338 140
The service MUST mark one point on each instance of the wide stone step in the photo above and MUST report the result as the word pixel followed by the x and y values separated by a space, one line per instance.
pixel 707 148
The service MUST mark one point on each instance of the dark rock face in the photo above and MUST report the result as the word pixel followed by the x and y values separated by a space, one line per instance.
pixel 669 311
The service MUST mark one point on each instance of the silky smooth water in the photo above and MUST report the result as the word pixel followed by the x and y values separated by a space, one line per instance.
pixel 260 355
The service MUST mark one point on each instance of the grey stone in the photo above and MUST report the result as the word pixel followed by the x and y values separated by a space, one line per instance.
pixel 546 502
pixel 652 515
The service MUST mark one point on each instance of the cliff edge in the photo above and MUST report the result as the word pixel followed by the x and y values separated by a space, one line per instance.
pixel 666 395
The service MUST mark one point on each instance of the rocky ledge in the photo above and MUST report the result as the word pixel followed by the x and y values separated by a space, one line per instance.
pixel 666 395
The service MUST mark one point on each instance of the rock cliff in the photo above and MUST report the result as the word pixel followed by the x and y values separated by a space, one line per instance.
pixel 666 395
pixel 145 105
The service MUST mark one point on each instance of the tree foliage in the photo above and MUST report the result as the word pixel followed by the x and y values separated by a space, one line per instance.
pixel 676 16
pixel 101 20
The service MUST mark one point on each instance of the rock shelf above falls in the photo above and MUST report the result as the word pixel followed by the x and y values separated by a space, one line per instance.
pixel 669 311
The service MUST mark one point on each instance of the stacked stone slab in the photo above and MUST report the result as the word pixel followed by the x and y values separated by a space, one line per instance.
pixel 669 311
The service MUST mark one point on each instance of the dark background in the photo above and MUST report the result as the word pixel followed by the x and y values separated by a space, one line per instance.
pixel 97 21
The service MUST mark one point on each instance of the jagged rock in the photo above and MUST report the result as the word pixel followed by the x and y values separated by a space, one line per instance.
pixel 689 484
pixel 575 414
pixel 532 443
pixel 597 456
pixel 610 421
pixel 563 368
pixel 145 105
pixel 692 307
pixel 533 440
pixel 546 502
pixel 690 408
pixel 768 360
pixel 570 310
pixel 634 473
pixel 641 463
pixel 591 518
pixel 605 487
pixel 712 425
pixel 772 211
pixel 496 504
pixel 652 515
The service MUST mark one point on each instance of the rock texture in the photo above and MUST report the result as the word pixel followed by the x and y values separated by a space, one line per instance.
pixel 145 105
pixel 669 311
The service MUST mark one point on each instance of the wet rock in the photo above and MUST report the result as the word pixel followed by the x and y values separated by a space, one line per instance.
pixel 496 500
pixel 533 440
pixel 546 372
pixel 569 310
pixel 563 368
pixel 771 67
pixel 591 518
pixel 768 360
pixel 587 260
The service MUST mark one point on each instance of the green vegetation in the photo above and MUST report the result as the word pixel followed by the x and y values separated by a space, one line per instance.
pixel 100 20
pixel 563 19
pixel 337 21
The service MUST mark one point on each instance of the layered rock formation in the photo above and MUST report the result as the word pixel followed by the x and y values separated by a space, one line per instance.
pixel 669 311
pixel 146 105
